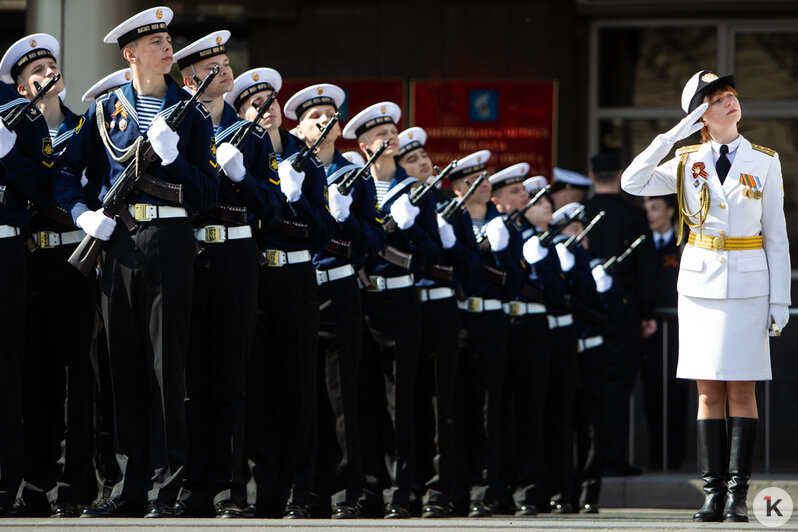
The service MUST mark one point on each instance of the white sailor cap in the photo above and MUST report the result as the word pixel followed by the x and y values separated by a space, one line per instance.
pixel 354 158
pixel 153 20
pixel 373 116
pixel 564 212
pixel 24 51
pixel 208 46
pixel 411 139
pixel 251 82
pixel 534 184
pixel 108 83
pixel 699 86
pixel 470 164
pixel 509 176
pixel 564 179
pixel 321 94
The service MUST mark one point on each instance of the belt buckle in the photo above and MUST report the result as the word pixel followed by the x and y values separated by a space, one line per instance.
pixel 321 277
pixel 215 233
pixel 274 257
pixel 47 239
pixel 515 308
pixel 377 283
pixel 718 243
pixel 474 304
pixel 141 213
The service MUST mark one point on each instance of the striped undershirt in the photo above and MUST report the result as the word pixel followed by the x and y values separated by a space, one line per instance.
pixel 477 224
pixel 53 133
pixel 146 109
pixel 382 190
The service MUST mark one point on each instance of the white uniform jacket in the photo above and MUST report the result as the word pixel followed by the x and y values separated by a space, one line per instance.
pixel 722 274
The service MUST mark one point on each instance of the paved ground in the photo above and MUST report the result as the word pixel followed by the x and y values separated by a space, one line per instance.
pixel 612 519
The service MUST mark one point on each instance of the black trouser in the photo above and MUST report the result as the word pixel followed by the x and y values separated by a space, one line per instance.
pixel 528 364
pixel 61 309
pixel 559 414
pixel 12 335
pixel 483 351
pixel 281 388
pixel 387 392
pixel 588 426
pixel 146 283
pixel 435 388
pixel 340 347
pixel 105 463
pixel 678 394
pixel 223 318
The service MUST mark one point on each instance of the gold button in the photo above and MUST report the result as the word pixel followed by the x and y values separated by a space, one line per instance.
pixel 723 233
pixel 722 260
pixel 722 205
pixel 718 242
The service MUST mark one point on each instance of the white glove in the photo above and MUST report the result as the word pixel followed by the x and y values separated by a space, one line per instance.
pixel 686 127
pixel 497 233
pixel 290 181
pixel 339 204
pixel 780 314
pixel 567 259
pixel 404 212
pixel 447 233
pixel 232 161
pixel 163 140
pixel 602 278
pixel 96 224
pixel 7 139
pixel 534 251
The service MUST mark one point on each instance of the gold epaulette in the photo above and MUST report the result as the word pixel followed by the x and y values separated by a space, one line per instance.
pixel 688 149
pixel 766 151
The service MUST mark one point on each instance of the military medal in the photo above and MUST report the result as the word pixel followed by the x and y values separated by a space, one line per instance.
pixel 698 172
pixel 751 186
pixel 122 124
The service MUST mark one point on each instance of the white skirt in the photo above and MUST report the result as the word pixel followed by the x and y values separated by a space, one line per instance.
pixel 724 339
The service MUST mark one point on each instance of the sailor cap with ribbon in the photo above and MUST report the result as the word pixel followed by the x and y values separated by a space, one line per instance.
pixel 411 139
pixel 107 84
pixel 211 45
pixel 154 20
pixel 565 179
pixel 534 184
pixel 252 82
pixel 371 117
pixel 354 158
pixel 472 163
pixel 565 212
pixel 25 50
pixel 509 176
pixel 321 94
pixel 701 84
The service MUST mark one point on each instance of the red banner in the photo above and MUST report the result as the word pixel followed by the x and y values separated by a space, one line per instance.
pixel 515 120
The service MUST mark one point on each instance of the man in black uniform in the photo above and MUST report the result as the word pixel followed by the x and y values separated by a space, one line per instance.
pixel 620 227
pixel 147 274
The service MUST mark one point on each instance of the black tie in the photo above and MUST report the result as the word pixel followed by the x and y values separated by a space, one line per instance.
pixel 723 164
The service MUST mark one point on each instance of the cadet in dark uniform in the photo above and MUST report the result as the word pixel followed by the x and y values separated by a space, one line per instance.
pixel 620 227
pixel 147 276
pixel 281 391
pixel 58 469
pixel 24 177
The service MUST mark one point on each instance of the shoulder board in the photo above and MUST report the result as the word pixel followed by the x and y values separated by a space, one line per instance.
pixel 766 151
pixel 688 149
pixel 203 110
pixel 259 131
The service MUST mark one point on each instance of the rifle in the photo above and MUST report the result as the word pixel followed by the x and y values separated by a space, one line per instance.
pixel 482 239
pixel 304 154
pixel 346 185
pixel 549 235
pixel 575 240
pixel 389 224
pixel 611 264
pixel 85 255
pixel 455 205
pixel 245 131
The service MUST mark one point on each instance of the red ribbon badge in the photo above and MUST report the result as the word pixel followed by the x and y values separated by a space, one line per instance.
pixel 698 171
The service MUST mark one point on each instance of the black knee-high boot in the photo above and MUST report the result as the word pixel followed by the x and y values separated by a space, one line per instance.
pixel 713 460
pixel 742 437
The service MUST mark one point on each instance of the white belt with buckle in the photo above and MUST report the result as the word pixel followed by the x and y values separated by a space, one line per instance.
pixel 432 294
pixel 49 239
pixel 378 283
pixel 589 343
pixel 7 231
pixel 477 304
pixel 565 320
pixel 333 274
pixel 220 233
pixel 144 212
pixel 522 308
pixel 276 258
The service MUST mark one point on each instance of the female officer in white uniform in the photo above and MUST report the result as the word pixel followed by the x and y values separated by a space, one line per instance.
pixel 734 280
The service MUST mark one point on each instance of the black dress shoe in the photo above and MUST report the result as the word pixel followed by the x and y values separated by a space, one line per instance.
pixel 296 511
pixel 396 511
pixel 19 509
pixel 479 509
pixel 589 508
pixel 563 508
pixel 342 511
pixel 111 507
pixel 227 510
pixel 158 509
pixel 63 509
pixel 433 511
pixel 250 511
pixel 526 509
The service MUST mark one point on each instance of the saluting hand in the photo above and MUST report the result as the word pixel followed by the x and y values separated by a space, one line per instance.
pixel 686 127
